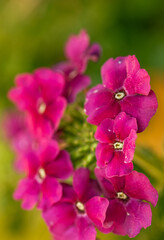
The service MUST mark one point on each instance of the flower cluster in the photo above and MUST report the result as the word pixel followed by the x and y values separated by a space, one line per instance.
pixel 74 204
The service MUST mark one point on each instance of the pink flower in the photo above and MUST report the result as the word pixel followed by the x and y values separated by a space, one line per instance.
pixel 116 146
pixel 68 218
pixel 44 169
pixel 126 88
pixel 125 202
pixel 39 95
pixel 78 52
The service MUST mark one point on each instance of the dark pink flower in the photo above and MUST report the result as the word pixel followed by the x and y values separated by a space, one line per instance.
pixel 116 146
pixel 126 88
pixel 68 218
pixel 44 169
pixel 127 201
pixel 74 81
pixel 39 95
pixel 78 52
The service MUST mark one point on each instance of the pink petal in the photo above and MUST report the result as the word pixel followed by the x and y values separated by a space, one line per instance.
pixel 94 52
pixel 140 107
pixel 132 65
pixel 24 80
pixel 51 83
pixel 69 194
pixel 76 46
pixel 31 164
pixel 96 209
pixel 61 167
pixel 48 151
pixel 60 217
pixel 104 132
pixel 123 125
pixel 139 83
pixel 28 190
pixel 51 192
pixel 115 213
pixel 104 154
pixel 86 231
pixel 106 186
pixel 55 111
pixel 100 104
pixel 80 181
pixel 138 186
pixel 139 216
pixel 129 146
pixel 113 73
pixel 117 166
pixel 76 85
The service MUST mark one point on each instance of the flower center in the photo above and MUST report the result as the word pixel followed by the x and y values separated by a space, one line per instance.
pixel 42 173
pixel 80 207
pixel 122 196
pixel 119 95
pixel 42 108
pixel 118 145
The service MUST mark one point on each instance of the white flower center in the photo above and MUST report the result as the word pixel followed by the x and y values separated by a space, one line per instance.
pixel 42 108
pixel 122 196
pixel 119 95
pixel 80 206
pixel 42 173
pixel 118 145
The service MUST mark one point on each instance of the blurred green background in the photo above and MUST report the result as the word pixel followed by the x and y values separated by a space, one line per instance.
pixel 33 33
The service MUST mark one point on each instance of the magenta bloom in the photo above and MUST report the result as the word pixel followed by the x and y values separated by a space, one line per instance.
pixel 68 218
pixel 116 146
pixel 78 52
pixel 74 81
pixel 39 95
pixel 126 202
pixel 126 88
pixel 44 169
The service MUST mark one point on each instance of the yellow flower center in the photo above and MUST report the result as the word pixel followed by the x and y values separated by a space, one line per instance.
pixel 42 173
pixel 80 206
pixel 119 95
pixel 122 196
pixel 42 108
pixel 118 145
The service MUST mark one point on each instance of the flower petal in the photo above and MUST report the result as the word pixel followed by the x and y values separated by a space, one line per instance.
pixel 28 190
pixel 139 83
pixel 61 167
pixel 139 216
pixel 113 73
pixel 104 154
pixel 100 104
pixel 60 217
pixel 138 186
pixel 85 228
pixel 51 192
pixel 96 209
pixel 49 149
pixel 129 146
pixel 51 83
pixel 140 107
pixel 117 166
pixel 123 125
pixel 104 132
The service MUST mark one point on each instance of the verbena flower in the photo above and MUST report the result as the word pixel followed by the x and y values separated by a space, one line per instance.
pixel 78 52
pixel 44 168
pixel 116 146
pixel 125 202
pixel 126 88
pixel 39 95
pixel 68 218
